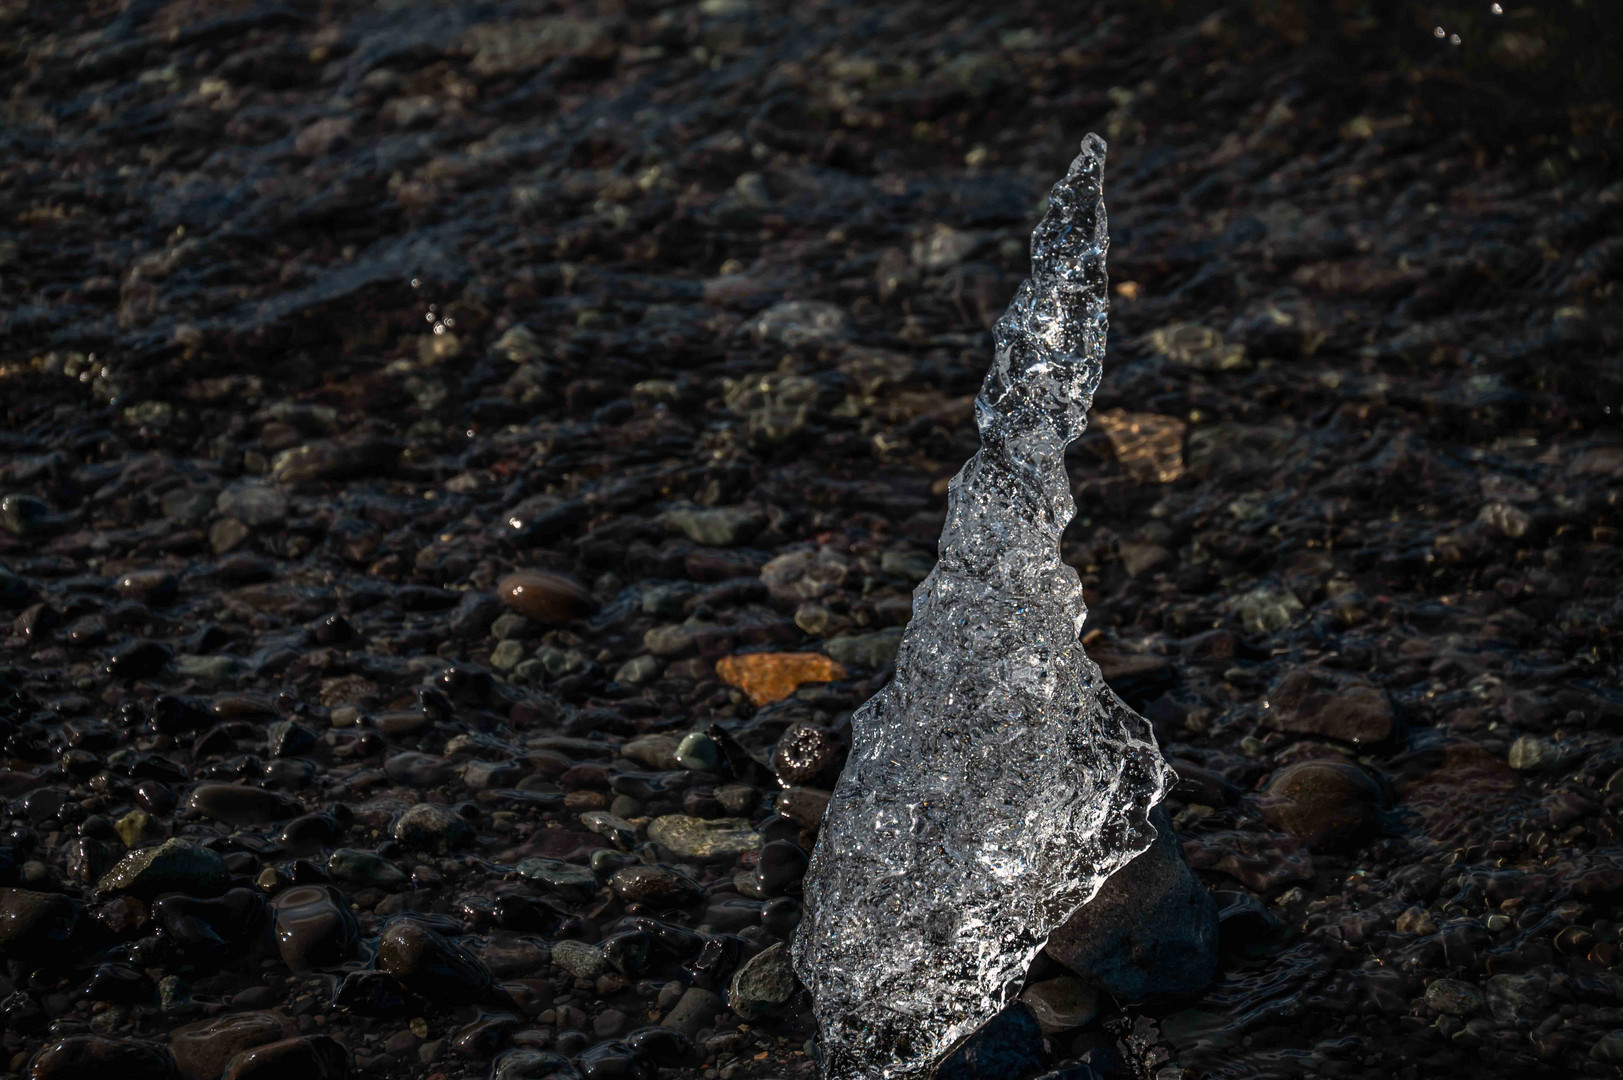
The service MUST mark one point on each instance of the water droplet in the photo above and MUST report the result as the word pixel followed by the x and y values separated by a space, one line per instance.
pixel 1497 9
pixel 1453 39
pixel 417 283
pixel 1438 31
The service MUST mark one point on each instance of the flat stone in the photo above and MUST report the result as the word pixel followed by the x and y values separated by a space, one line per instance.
pixel 565 879
pixel 239 804
pixel 773 676
pixel 798 576
pixel 1519 1000
pixel 94 1057
pixel 34 924
pixel 618 831
pixel 655 883
pixel 543 598
pixel 203 1049
pixel 1148 446
pixel 1353 712
pixel 873 651
pixel 153 587
pixel 306 1057
pixel 1529 753
pixel 1197 347
pixel 721 526
pixel 527 1063
pixel 721 839
pixel 695 1009
pixel 432 827
pixel 1061 1003
pixel 363 868
pixel 174 866
pixel 1454 997
pixel 655 751
pixel 1609 1047
pixel 255 505
pixel 580 959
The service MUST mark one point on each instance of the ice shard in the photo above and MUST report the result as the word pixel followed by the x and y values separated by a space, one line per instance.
pixel 996 782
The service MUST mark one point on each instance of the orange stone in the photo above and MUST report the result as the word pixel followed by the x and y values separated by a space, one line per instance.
pixel 772 676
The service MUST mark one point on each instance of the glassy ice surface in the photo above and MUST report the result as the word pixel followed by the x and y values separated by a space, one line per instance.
pixel 996 782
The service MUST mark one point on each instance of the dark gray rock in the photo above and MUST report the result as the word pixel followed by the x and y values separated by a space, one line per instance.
pixel 428 964
pixel 1007 1047
pixel 694 1010
pixel 762 983
pixel 93 1057
pixel 174 866
pixel 431 827
pixel 34 924
pixel 1152 928
pixel 308 1057
pixel 202 1050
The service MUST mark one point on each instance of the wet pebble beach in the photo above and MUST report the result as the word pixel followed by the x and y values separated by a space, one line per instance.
pixel 461 465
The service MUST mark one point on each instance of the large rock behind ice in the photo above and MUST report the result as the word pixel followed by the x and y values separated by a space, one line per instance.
pixel 1152 928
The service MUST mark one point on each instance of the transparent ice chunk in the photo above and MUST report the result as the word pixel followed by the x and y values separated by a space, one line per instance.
pixel 996 782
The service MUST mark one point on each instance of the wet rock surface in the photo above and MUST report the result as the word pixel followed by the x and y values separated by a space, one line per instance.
pixel 414 419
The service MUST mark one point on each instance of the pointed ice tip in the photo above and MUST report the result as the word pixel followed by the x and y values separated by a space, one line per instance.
pixel 1091 158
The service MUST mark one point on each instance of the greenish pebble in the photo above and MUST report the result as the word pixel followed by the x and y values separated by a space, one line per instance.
pixel 214 668
pixel 132 826
pixel 654 751
pixel 698 752
pixel 762 982
pixel 558 661
pixel 637 670
pixel 721 526
pixel 363 868
pixel 1454 997
pixel 175 996
pixel 698 838
pixel 875 650
pixel 509 626
pixel 565 879
pixel 580 959
pixel 507 655
pixel 605 861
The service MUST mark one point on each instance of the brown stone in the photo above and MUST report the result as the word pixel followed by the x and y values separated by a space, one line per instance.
pixel 546 598
pixel 1328 804
pixel 203 1050
pixel 311 1057
pixel 1354 712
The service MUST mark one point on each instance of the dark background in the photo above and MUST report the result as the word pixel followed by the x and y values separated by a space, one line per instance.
pixel 453 289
